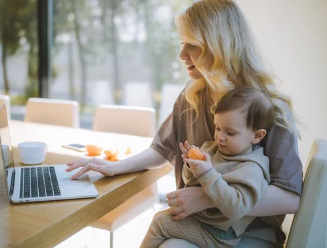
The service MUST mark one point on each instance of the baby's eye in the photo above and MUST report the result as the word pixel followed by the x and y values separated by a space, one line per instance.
pixel 230 133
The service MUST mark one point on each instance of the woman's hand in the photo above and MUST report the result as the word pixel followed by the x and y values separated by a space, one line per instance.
pixel 95 164
pixel 147 159
pixel 186 201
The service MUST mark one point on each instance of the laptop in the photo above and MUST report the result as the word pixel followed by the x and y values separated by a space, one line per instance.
pixel 40 182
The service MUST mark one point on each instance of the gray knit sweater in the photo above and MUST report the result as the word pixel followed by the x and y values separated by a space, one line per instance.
pixel 235 184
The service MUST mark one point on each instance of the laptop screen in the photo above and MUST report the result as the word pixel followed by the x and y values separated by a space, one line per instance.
pixel 6 159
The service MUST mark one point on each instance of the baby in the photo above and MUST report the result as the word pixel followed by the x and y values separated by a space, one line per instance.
pixel 234 174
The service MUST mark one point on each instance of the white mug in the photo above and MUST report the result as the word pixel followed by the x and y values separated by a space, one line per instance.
pixel 32 152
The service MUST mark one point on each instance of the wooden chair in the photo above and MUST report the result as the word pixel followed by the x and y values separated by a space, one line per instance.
pixel 309 226
pixel 135 121
pixel 52 111
pixel 6 99
pixel 125 119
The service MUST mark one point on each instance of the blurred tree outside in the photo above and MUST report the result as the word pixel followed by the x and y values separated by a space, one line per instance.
pixel 95 33
pixel 17 19
pixel 97 27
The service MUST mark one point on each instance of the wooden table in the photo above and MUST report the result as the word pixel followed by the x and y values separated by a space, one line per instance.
pixel 46 224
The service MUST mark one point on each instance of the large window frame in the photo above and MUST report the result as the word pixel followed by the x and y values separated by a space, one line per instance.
pixel 44 18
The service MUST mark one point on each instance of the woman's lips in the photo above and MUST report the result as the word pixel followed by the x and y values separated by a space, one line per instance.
pixel 191 67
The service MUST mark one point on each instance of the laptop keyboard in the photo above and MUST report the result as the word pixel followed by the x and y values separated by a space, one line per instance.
pixel 38 182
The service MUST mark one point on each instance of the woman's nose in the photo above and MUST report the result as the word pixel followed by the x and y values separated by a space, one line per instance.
pixel 183 55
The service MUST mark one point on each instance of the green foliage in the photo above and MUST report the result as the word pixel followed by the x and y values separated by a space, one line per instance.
pixel 18 100
pixel 17 24
pixel 95 27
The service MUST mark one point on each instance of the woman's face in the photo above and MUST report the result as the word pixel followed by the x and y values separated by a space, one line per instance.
pixel 189 55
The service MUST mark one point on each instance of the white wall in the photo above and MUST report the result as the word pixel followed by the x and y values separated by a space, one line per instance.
pixel 293 38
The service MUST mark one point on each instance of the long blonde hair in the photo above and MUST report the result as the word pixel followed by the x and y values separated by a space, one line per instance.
pixel 229 56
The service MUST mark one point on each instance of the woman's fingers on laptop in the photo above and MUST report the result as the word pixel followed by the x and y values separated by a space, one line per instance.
pixel 75 160
pixel 84 169
pixel 78 163
pixel 94 164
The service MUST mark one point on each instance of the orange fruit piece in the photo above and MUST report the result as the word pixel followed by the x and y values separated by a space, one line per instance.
pixel 111 156
pixel 195 153
pixel 93 150
pixel 128 151
pixel 109 153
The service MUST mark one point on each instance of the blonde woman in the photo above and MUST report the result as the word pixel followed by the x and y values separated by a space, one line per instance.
pixel 220 54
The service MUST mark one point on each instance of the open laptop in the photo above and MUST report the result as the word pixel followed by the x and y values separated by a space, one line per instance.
pixel 40 182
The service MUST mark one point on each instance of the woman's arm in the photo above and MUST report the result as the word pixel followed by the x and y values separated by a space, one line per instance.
pixel 186 201
pixel 147 159
pixel 276 201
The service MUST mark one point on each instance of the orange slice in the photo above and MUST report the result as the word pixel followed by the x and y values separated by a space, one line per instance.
pixel 128 151
pixel 93 150
pixel 195 153
pixel 111 156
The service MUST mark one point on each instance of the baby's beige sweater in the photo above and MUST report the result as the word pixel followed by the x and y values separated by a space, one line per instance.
pixel 235 184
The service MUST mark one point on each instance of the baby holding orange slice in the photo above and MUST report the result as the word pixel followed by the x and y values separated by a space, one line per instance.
pixel 232 170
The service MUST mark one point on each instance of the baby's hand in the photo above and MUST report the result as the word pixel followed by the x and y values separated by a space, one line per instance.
pixel 198 167
pixel 185 147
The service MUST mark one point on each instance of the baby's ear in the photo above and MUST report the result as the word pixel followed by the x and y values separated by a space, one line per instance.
pixel 259 135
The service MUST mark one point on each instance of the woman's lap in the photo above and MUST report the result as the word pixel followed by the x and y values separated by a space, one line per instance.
pixel 251 239
pixel 170 243
pixel 245 242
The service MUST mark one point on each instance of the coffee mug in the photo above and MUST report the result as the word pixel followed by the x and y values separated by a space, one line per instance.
pixel 32 152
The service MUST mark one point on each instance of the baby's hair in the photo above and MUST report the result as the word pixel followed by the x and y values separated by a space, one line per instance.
pixel 256 105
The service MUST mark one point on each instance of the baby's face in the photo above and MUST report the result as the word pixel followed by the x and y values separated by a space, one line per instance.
pixel 231 133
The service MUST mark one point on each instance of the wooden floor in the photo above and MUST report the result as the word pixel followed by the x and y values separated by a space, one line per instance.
pixel 128 236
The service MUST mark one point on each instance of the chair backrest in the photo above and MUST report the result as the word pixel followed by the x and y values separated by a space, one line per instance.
pixel 52 111
pixel 169 94
pixel 138 94
pixel 6 99
pixel 309 227
pixel 125 119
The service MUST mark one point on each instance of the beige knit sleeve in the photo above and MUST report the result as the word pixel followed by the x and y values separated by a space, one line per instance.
pixel 235 193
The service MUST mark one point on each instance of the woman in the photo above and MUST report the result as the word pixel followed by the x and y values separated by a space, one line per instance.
pixel 220 53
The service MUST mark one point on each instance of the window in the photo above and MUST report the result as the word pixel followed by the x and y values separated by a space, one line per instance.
pixel 100 50
pixel 18 49
pixel 115 52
